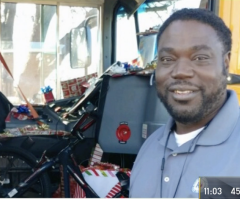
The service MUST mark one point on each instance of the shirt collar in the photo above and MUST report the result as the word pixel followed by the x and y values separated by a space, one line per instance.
pixel 162 140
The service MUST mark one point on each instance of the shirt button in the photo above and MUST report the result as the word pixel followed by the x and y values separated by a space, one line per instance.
pixel 166 179
pixel 174 154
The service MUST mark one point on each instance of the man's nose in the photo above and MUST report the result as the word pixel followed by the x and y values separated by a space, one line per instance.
pixel 182 69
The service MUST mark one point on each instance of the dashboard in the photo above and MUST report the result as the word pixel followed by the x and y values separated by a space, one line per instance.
pixel 63 114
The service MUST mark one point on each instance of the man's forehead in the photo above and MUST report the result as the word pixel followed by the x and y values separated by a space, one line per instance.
pixel 182 24
pixel 193 48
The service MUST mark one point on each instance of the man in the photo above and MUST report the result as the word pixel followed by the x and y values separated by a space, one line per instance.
pixel 202 137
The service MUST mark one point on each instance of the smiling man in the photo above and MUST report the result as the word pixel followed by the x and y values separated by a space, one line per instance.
pixel 201 137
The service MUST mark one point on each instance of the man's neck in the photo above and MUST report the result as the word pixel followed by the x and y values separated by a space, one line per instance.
pixel 187 128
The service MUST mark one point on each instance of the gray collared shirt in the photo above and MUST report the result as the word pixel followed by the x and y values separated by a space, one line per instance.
pixel 215 152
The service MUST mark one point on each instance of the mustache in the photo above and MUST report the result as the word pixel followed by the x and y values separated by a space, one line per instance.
pixel 184 83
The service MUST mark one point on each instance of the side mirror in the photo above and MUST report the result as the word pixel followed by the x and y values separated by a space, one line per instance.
pixel 80 50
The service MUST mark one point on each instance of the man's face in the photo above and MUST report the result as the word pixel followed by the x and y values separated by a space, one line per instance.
pixel 191 71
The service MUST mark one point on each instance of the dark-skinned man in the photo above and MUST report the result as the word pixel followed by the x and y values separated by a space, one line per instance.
pixel 201 137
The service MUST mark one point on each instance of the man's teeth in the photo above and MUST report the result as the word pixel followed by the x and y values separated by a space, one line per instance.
pixel 182 92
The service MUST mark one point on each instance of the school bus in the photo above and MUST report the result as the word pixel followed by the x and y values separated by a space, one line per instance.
pixel 58 42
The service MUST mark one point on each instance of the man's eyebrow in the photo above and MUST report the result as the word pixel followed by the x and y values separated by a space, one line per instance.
pixel 200 47
pixel 193 48
pixel 166 49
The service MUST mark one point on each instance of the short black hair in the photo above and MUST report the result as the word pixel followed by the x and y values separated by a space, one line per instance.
pixel 203 16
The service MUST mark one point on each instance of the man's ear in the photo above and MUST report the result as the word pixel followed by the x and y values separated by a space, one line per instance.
pixel 226 63
pixel 227 57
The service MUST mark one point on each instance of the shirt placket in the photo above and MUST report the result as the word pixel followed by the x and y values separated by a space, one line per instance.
pixel 175 164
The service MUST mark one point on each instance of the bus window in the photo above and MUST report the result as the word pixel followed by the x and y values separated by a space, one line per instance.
pixel 126 40
pixel 152 13
pixel 35 42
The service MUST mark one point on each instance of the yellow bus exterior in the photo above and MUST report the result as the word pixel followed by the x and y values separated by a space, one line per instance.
pixel 229 12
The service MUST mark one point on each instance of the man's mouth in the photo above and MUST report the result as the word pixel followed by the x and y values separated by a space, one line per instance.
pixel 183 91
pixel 184 94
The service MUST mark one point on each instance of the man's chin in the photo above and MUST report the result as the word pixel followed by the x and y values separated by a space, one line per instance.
pixel 186 114
pixel 187 118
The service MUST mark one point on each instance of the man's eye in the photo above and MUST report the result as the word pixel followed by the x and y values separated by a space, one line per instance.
pixel 200 58
pixel 166 59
